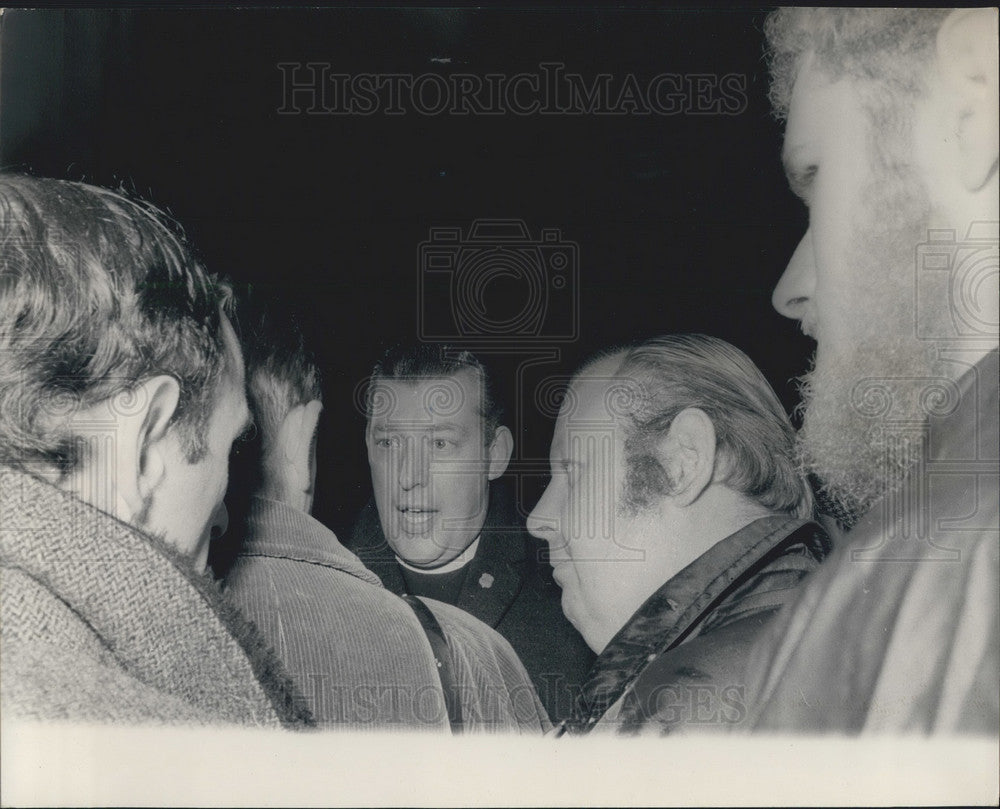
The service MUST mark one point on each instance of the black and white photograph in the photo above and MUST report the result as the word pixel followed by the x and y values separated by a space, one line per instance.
pixel 499 405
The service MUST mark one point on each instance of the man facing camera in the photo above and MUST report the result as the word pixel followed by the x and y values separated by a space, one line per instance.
pixel 677 526
pixel 121 393
pixel 892 142
pixel 440 524
pixel 366 658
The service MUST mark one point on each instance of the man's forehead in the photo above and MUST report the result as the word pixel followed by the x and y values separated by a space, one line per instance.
pixel 817 101
pixel 595 395
pixel 453 398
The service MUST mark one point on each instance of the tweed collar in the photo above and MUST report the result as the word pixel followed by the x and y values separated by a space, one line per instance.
pixel 164 624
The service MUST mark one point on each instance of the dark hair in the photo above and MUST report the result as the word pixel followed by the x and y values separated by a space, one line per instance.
pixel 888 47
pixel 97 292
pixel 414 362
pixel 281 372
pixel 666 375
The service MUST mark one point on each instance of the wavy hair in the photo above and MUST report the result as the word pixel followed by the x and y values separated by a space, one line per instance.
pixel 97 293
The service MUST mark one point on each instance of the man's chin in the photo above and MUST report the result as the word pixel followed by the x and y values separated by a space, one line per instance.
pixel 858 437
pixel 418 551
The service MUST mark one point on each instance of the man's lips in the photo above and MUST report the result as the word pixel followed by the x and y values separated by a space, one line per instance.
pixel 557 567
pixel 415 519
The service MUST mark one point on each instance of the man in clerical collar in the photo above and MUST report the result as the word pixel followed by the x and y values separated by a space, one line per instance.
pixel 677 526
pixel 440 524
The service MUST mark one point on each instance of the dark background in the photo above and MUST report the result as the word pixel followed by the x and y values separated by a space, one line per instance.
pixel 682 222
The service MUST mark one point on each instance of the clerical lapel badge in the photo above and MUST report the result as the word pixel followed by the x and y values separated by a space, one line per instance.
pixel 486 581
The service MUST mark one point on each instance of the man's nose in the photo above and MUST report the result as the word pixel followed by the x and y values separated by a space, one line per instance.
pixel 413 464
pixel 798 282
pixel 542 522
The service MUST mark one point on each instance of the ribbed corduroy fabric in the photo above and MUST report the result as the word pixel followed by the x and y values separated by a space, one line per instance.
pixel 357 650
pixel 101 622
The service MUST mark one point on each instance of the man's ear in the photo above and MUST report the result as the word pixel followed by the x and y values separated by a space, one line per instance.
pixel 687 453
pixel 141 430
pixel 500 452
pixel 288 466
pixel 967 57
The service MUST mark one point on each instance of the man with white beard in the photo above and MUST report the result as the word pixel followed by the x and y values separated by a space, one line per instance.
pixel 891 140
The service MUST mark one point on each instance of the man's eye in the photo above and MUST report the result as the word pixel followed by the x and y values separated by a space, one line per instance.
pixel 568 469
pixel 387 443
pixel 441 443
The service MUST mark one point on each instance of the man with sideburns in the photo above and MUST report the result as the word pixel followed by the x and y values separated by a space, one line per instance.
pixel 677 525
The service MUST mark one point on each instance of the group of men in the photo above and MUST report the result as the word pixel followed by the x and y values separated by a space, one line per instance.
pixel 690 586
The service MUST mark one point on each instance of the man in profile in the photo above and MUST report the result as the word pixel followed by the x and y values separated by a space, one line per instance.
pixel 441 523
pixel 891 141
pixel 366 658
pixel 677 526
pixel 121 393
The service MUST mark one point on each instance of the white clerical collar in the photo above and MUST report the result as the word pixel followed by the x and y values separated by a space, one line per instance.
pixel 459 561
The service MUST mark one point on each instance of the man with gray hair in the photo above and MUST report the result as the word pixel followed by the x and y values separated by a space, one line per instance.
pixel 891 141
pixel 121 394
pixel 677 525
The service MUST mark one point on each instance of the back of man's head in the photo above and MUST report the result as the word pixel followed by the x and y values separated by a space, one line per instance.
pixel 281 377
pixel 416 362
pixel 754 436
pixel 281 371
pixel 97 292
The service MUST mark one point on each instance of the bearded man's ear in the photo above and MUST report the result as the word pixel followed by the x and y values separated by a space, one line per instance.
pixel 967 60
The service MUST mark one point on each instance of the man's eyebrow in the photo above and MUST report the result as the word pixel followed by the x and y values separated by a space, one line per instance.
pixel 448 427
pixel 799 176
pixel 422 427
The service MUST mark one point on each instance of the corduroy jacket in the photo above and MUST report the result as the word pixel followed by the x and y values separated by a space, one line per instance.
pixel 509 586
pixel 358 650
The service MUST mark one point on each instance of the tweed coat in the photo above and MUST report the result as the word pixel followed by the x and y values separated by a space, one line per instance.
pixel 101 622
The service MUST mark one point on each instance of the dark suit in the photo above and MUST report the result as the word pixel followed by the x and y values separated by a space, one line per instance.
pixel 508 585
